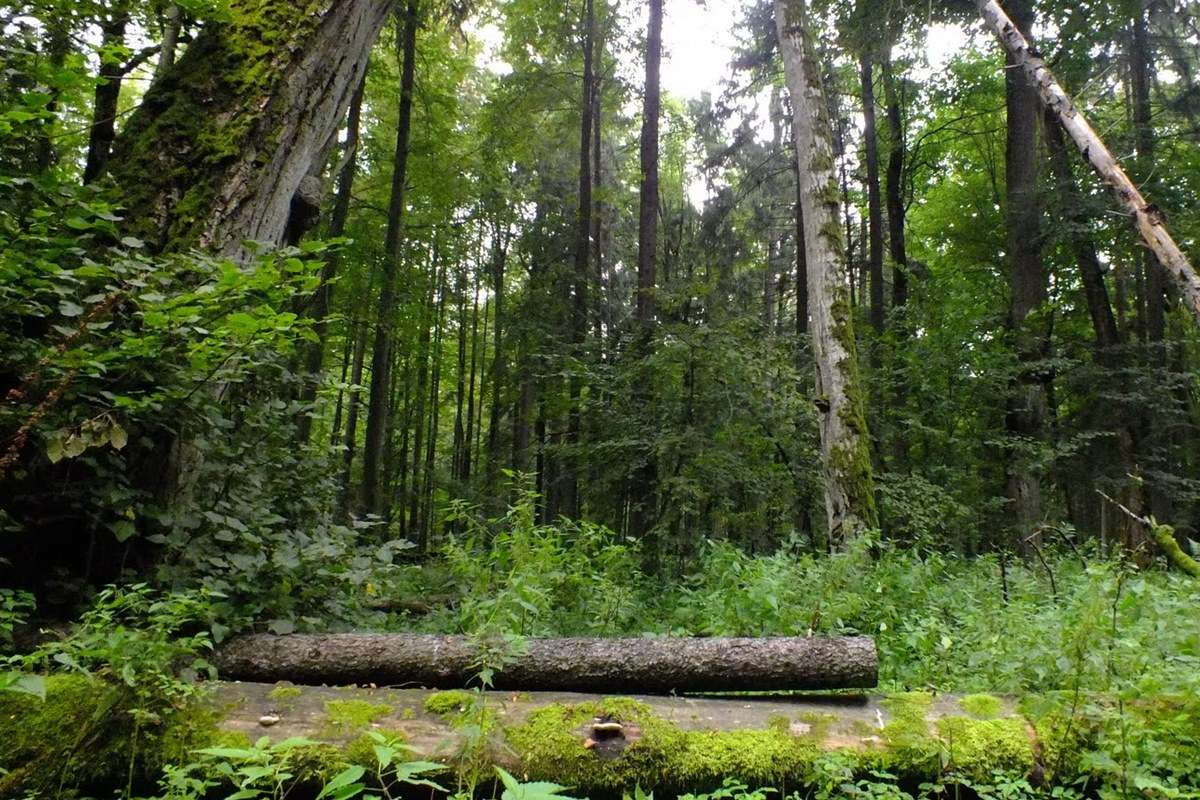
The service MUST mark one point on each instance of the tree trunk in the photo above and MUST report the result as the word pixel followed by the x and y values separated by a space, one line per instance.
pixel 172 21
pixel 896 210
pixel 645 665
pixel 801 259
pixel 600 746
pixel 1104 323
pixel 846 461
pixel 1140 70
pixel 219 147
pixel 108 93
pixel 648 203
pixel 352 407
pixel 1147 217
pixel 381 356
pixel 323 297
pixel 874 204
pixel 1026 414
pixel 583 232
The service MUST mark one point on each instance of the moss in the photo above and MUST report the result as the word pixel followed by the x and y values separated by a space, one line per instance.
pixel 350 716
pixel 552 744
pixel 83 739
pixel 216 108
pixel 978 747
pixel 285 692
pixel 444 704
pixel 981 706
pixel 1164 535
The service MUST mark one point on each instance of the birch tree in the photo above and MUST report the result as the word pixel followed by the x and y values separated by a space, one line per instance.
pixel 846 464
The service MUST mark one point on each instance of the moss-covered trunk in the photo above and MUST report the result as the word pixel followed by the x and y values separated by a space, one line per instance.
pixel 849 484
pixel 218 149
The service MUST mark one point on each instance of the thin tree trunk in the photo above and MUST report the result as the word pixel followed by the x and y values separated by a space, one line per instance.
pixel 846 461
pixel 648 203
pixel 323 297
pixel 107 95
pixel 1140 69
pixel 583 231
pixel 377 410
pixel 171 24
pixel 464 473
pixel 351 440
pixel 1147 218
pixel 426 528
pixel 422 389
pixel 347 349
pixel 874 203
pixel 499 258
pixel 460 376
pixel 896 211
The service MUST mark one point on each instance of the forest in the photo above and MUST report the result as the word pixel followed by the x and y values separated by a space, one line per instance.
pixel 552 399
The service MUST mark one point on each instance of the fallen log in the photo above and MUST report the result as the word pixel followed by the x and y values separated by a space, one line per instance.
pixel 646 665
pixel 598 746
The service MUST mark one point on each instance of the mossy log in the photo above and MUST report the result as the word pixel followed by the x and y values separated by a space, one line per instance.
pixel 80 736
pixel 88 738
pixel 645 665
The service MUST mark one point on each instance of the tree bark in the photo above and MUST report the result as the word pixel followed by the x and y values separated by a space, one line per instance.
pixel 323 297
pixel 1140 69
pixel 648 204
pixel 108 93
pixel 1026 414
pixel 846 463
pixel 1104 323
pixel 219 146
pixel 1146 217
pixel 377 409
pixel 896 210
pixel 172 21
pixel 874 202
pixel 645 665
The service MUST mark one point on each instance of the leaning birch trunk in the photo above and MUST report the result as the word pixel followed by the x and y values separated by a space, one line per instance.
pixel 849 486
pixel 1145 215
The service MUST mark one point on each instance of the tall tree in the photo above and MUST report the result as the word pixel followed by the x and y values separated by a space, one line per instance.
pixel 323 296
pixel 644 490
pixel 874 203
pixel 896 207
pixel 846 462
pixel 648 202
pixel 1027 407
pixel 583 233
pixel 378 408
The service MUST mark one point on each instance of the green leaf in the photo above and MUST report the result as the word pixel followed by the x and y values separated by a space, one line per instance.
pixel 343 780
pixel 69 309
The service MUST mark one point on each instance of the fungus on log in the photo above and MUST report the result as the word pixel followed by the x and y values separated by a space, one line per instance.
pixel 645 665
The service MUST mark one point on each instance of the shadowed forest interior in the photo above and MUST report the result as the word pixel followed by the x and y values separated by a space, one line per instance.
pixel 867 328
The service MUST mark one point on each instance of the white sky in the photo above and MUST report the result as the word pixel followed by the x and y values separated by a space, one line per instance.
pixel 698 43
